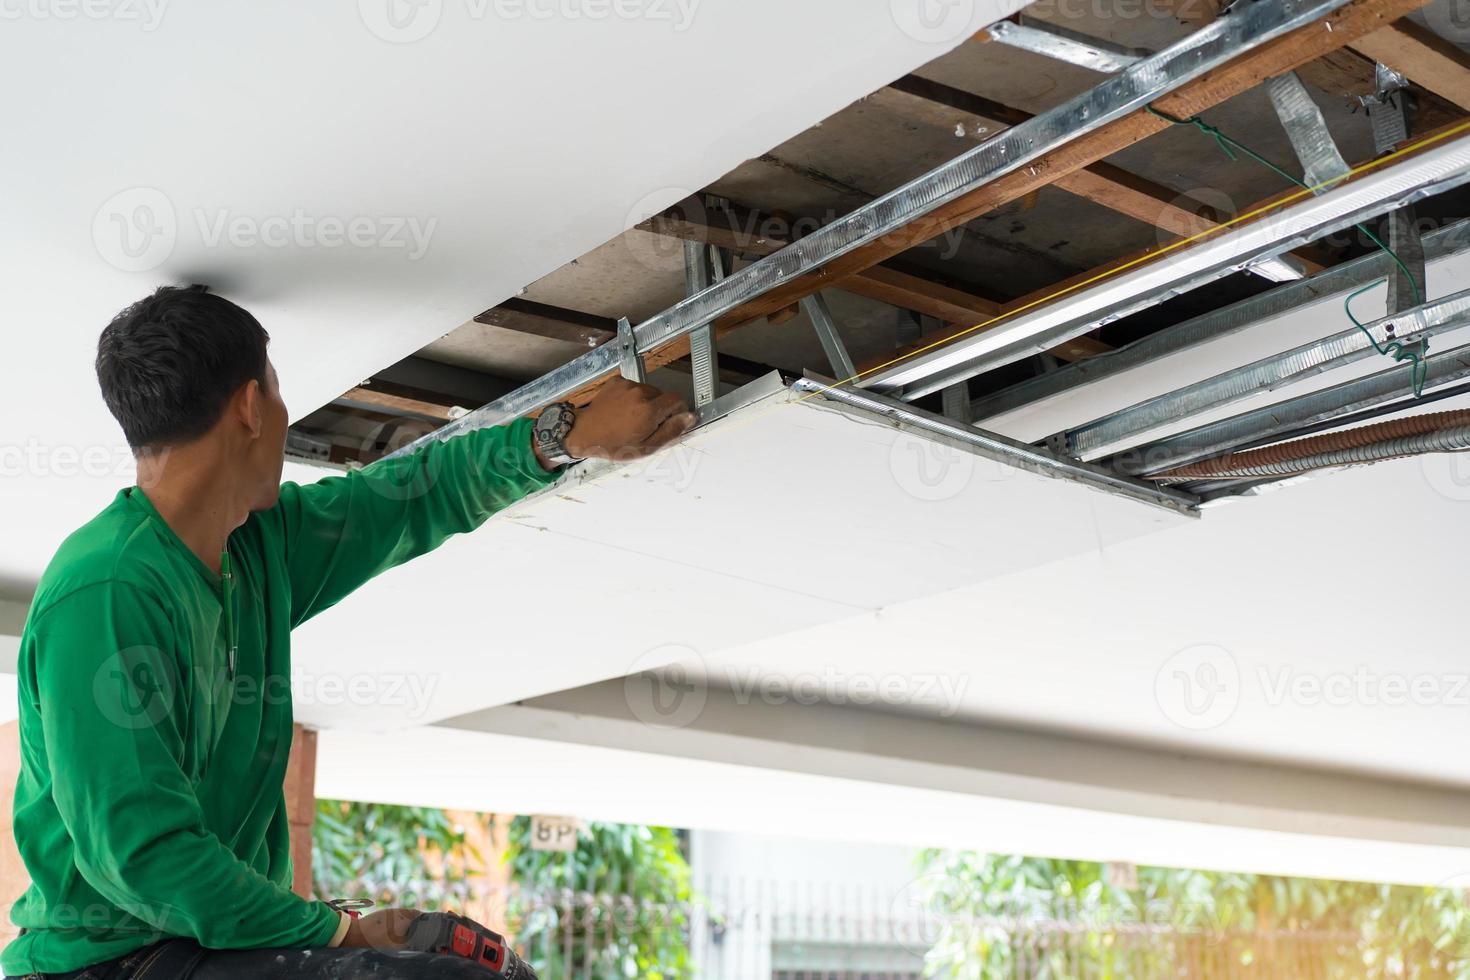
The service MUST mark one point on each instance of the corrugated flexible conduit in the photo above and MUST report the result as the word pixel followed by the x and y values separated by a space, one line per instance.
pixel 1438 432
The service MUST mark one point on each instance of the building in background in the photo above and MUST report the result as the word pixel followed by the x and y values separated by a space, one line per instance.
pixel 788 909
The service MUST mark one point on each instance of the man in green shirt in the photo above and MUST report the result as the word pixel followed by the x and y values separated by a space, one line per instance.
pixel 153 725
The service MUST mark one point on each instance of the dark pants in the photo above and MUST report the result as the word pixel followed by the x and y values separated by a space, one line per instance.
pixel 184 959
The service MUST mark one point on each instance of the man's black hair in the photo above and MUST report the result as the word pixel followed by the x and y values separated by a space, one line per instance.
pixel 169 363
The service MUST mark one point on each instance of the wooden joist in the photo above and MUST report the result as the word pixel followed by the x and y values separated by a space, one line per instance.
pixel 368 395
pixel 1431 63
pixel 754 234
pixel 1103 183
pixel 1423 57
pixel 551 322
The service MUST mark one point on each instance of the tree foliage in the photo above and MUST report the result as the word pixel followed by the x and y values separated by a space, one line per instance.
pixel 618 906
pixel 408 856
pixel 990 911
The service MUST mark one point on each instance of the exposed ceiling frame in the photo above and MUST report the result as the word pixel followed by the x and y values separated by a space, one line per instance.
pixel 1423 57
pixel 1275 371
pixel 1099 297
pixel 1278 419
pixel 1441 242
pixel 753 234
pixel 590 330
pixel 1101 183
pixel 1330 32
pixel 1226 57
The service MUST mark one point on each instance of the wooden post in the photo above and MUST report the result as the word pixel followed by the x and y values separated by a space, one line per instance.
pixel 301 805
pixel 14 879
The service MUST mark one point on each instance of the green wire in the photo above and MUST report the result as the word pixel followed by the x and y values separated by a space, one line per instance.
pixel 1418 370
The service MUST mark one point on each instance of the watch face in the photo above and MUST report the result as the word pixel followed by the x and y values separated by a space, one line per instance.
pixel 552 427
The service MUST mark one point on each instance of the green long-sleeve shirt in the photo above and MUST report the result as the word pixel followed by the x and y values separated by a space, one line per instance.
pixel 155 709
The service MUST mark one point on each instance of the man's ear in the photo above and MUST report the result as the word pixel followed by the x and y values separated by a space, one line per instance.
pixel 247 406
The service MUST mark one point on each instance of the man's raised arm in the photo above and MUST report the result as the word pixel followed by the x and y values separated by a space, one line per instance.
pixel 342 531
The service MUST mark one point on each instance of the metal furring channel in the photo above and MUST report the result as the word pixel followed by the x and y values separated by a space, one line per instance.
pixel 1435 433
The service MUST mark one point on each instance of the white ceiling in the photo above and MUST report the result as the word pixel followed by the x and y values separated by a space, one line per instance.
pixel 1358 571
pixel 785 514
pixel 511 140
pixel 776 788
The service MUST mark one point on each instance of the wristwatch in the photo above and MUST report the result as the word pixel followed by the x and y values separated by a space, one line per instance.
pixel 550 433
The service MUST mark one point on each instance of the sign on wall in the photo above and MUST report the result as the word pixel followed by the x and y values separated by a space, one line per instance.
pixel 554 833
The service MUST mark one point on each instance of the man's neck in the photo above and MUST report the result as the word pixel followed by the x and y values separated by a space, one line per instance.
pixel 197 493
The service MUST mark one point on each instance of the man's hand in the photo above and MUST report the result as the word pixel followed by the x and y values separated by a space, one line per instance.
pixel 628 421
pixel 384 929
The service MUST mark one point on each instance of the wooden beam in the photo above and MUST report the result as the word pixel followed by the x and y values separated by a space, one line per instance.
pixel 752 234
pixel 551 322
pixel 1423 57
pixel 1102 183
pixel 978 106
pixel 920 295
pixel 543 319
pixel 363 395
pixel 300 790
pixel 1348 72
